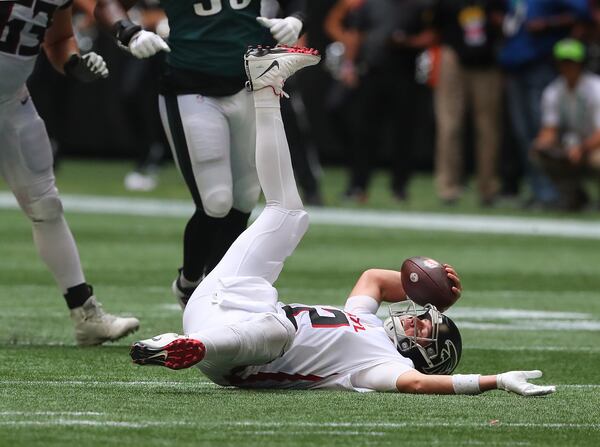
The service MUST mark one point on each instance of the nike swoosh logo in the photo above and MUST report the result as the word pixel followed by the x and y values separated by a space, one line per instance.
pixel 274 64
pixel 163 354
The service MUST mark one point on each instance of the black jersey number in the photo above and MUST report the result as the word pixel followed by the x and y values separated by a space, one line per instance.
pixel 337 319
pixel 212 7
pixel 12 42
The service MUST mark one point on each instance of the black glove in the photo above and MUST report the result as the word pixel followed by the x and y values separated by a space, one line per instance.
pixel 86 68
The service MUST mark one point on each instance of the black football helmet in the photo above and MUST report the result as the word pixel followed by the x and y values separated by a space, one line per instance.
pixel 437 354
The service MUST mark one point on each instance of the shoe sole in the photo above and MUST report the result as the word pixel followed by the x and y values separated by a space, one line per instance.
pixel 179 354
pixel 269 53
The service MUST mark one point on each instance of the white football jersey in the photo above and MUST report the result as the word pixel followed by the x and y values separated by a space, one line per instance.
pixel 330 348
pixel 23 24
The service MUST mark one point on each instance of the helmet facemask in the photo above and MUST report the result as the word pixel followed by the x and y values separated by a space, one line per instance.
pixel 437 353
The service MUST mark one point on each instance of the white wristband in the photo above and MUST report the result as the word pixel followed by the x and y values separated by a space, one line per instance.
pixel 466 383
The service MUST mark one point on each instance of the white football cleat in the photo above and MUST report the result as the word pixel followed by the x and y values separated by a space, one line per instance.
pixel 93 326
pixel 271 66
pixel 171 350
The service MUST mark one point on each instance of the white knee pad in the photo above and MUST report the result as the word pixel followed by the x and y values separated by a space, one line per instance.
pixel 45 209
pixel 217 203
pixel 245 194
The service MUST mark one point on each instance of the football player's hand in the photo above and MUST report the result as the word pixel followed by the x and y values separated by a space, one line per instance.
pixel 453 276
pixel 285 31
pixel 86 68
pixel 144 44
pixel 516 382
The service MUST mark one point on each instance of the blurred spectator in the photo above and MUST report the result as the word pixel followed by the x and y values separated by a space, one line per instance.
pixel 568 145
pixel 325 107
pixel 531 28
pixel 305 158
pixel 468 77
pixel 381 54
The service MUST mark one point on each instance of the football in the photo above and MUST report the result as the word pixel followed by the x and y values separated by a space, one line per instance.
pixel 425 281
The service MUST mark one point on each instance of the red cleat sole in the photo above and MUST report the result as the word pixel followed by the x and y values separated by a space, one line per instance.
pixel 179 354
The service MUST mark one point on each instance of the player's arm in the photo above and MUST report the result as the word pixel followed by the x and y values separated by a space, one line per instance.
pixel 62 51
pixel 386 285
pixel 112 16
pixel 513 381
pixel 381 285
pixel 546 138
pixel 335 29
pixel 288 29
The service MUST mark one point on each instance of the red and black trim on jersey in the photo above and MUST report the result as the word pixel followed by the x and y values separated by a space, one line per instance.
pixel 264 377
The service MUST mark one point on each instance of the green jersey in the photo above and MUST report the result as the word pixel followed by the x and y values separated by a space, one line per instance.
pixel 211 36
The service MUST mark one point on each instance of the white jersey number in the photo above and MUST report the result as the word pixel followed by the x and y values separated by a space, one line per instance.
pixel 11 30
pixel 212 7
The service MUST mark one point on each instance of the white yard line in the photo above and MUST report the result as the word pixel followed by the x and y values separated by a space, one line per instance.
pixel 570 228
pixel 356 426
pixel 50 413
pixel 88 383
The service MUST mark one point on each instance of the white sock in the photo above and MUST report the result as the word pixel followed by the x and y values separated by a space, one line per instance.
pixel 266 97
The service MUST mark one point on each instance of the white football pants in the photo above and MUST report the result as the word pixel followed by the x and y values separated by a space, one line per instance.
pixel 26 166
pixel 218 157
pixel 234 310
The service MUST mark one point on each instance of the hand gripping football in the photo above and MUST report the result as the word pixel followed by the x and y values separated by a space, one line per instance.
pixel 426 281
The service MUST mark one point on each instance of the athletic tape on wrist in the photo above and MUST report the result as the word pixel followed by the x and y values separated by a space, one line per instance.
pixel 466 383
pixel 124 30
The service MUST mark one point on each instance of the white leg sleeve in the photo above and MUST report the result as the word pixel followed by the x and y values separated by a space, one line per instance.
pixel 26 165
pixel 273 161
pixel 56 247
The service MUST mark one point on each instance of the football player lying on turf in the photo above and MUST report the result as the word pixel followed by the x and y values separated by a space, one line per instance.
pixel 239 334
pixel 26 156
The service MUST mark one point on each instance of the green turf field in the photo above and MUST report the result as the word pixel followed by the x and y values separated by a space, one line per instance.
pixel 529 302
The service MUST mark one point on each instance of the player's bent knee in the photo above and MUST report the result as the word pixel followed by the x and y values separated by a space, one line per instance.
pixel 45 209
pixel 217 203
pixel 247 199
pixel 245 195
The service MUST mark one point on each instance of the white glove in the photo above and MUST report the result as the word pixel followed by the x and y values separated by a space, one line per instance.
pixel 516 382
pixel 86 68
pixel 144 44
pixel 95 64
pixel 163 29
pixel 285 31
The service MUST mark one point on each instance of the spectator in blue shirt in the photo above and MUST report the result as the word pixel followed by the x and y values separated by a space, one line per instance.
pixel 531 28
